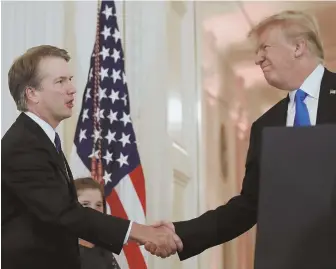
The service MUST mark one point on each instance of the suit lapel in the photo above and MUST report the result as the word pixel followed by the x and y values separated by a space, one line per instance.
pixel 280 113
pixel 326 112
pixel 70 177
pixel 44 139
pixel 58 159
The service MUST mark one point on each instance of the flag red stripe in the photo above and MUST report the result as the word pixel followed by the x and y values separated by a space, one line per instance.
pixel 134 256
pixel 138 180
pixel 132 251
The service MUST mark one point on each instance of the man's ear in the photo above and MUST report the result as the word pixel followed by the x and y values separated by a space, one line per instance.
pixel 32 94
pixel 300 47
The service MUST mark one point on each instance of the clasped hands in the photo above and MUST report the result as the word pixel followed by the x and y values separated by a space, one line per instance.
pixel 159 239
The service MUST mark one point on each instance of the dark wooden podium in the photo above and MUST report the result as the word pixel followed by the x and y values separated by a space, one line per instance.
pixel 297 199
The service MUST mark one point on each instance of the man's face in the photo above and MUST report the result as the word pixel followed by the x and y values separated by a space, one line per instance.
pixel 56 93
pixel 275 55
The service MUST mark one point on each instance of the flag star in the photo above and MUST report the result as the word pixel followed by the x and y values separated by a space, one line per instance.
pixel 125 139
pixel 96 135
pixel 82 135
pixel 107 177
pixel 94 154
pixel 116 35
pixel 106 33
pixel 85 114
pixel 124 98
pixel 103 73
pixel 114 96
pixel 110 136
pixel 112 116
pixel 88 94
pixel 91 74
pixel 108 157
pixel 102 93
pixel 107 12
pixel 115 55
pixel 122 160
pixel 124 77
pixel 115 75
pixel 100 114
pixel 105 52
pixel 126 118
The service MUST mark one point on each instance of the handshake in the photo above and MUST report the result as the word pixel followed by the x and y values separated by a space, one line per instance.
pixel 159 239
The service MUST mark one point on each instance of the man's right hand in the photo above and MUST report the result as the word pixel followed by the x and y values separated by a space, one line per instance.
pixel 158 239
pixel 169 227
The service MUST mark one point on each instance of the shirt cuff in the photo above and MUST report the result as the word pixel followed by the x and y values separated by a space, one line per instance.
pixel 128 233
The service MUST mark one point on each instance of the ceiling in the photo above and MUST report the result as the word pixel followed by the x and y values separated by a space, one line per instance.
pixel 231 21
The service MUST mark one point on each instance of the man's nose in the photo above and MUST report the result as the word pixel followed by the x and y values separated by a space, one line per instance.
pixel 259 58
pixel 72 89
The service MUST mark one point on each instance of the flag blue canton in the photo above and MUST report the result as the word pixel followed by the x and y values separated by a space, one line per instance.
pixel 118 146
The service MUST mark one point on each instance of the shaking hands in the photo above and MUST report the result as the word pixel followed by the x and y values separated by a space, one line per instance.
pixel 159 239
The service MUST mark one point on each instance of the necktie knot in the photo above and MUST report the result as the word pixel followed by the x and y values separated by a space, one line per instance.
pixel 58 143
pixel 300 95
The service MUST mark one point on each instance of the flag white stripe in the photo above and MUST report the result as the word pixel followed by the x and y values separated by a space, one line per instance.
pixel 122 260
pixel 144 254
pixel 130 200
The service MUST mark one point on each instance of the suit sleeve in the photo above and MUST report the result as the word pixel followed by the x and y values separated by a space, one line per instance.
pixel 30 174
pixel 227 221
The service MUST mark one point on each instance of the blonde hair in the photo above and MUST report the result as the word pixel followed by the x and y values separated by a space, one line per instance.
pixel 24 71
pixel 294 24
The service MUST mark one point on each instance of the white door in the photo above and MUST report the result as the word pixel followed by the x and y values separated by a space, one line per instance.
pixel 182 115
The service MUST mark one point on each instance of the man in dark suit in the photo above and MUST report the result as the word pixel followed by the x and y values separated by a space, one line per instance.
pixel 289 52
pixel 41 219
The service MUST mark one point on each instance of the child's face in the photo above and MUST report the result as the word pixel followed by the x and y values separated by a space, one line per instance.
pixel 91 198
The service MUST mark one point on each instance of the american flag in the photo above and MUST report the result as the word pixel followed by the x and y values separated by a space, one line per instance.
pixel 105 143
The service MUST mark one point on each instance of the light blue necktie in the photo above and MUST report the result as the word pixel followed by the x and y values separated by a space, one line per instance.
pixel 301 110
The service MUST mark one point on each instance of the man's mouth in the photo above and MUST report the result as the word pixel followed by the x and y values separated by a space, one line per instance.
pixel 264 68
pixel 70 104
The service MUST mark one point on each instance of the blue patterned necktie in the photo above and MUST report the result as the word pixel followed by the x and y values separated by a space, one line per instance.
pixel 301 110
pixel 59 150
pixel 58 143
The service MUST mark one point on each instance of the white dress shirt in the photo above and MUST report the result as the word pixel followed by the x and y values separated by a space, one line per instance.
pixel 311 86
pixel 51 133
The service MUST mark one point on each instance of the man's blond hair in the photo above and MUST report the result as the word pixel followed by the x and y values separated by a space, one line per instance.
pixel 24 71
pixel 294 24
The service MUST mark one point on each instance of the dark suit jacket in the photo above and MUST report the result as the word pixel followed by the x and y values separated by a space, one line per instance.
pixel 240 213
pixel 41 219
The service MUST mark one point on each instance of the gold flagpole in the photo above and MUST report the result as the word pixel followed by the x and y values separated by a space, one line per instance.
pixel 96 164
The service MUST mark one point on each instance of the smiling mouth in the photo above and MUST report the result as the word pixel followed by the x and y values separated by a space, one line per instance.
pixel 265 66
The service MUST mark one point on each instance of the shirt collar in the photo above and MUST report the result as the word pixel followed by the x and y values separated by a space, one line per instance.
pixel 44 125
pixel 311 84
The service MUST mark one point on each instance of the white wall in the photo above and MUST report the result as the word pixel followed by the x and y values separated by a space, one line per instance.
pixel 22 29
